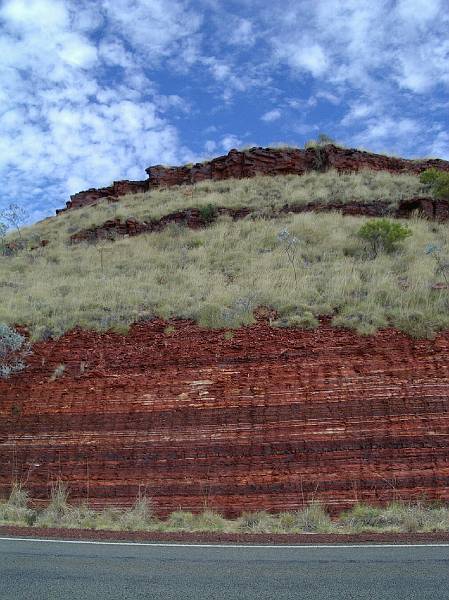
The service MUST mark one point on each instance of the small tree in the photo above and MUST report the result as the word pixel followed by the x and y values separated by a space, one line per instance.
pixel 383 235
pixel 13 349
pixel 290 244
pixel 435 252
pixel 321 140
pixel 319 146
pixel 438 181
pixel 14 216
pixel 3 229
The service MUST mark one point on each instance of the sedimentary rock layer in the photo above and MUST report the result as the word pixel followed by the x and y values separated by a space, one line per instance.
pixel 269 419
pixel 258 161
pixel 194 219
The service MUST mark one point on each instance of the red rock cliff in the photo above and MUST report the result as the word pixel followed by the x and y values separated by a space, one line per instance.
pixel 259 161
pixel 269 419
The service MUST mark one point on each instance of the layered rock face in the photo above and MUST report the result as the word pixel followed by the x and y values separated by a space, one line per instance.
pixel 117 189
pixel 192 217
pixel 258 161
pixel 270 419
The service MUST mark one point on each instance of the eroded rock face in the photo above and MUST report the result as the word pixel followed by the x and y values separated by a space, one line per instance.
pixel 269 419
pixel 192 217
pixel 258 161
pixel 114 191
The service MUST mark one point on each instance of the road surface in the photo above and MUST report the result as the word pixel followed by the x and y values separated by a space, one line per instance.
pixel 55 570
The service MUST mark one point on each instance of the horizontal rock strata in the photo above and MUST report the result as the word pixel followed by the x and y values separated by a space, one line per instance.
pixel 270 419
pixel 258 161
pixel 194 219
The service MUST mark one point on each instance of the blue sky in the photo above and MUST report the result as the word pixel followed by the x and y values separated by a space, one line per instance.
pixel 92 91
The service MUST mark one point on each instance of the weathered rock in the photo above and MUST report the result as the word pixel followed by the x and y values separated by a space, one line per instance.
pixel 114 191
pixel 192 217
pixel 269 419
pixel 258 161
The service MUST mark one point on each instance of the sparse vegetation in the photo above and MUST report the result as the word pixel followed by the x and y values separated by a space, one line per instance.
pixel 13 350
pixel 220 274
pixel 16 510
pixel 224 273
pixel 260 193
pixel 322 140
pixel 58 372
pixel 383 235
pixel 313 518
pixel 437 181
pixel 442 266
pixel 14 216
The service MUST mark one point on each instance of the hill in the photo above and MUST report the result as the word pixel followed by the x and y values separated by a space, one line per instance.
pixel 215 250
pixel 234 342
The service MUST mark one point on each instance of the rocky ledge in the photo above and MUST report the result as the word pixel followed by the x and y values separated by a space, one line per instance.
pixel 257 161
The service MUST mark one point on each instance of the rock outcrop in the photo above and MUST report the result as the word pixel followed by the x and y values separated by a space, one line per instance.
pixel 269 419
pixel 194 219
pixel 114 191
pixel 258 161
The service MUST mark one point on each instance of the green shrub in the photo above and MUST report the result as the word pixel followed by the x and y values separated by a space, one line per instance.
pixel 383 235
pixel 306 320
pixel 181 520
pixel 438 181
pixel 209 520
pixel 208 213
pixel 13 349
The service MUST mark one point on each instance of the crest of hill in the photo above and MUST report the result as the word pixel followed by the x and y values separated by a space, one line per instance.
pixel 258 161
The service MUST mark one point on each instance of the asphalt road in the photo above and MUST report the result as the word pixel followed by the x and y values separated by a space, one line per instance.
pixel 35 570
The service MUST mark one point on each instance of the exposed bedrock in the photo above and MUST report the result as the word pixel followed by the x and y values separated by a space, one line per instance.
pixel 270 419
pixel 258 161
pixel 193 218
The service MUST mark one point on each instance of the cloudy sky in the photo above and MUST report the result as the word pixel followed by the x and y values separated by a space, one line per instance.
pixel 97 90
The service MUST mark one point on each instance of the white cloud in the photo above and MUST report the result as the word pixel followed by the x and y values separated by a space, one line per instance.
pixel 385 134
pixel 230 141
pixel 155 28
pixel 369 46
pixel 439 147
pixel 210 146
pixel 271 115
pixel 303 56
pixel 242 32
pixel 65 126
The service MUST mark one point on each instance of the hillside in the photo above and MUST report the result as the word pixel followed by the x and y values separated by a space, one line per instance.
pixel 213 252
pixel 224 336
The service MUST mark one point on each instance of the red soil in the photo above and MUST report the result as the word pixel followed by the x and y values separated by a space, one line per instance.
pixel 226 538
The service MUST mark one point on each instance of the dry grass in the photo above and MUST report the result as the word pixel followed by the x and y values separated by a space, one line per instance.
pixel 394 517
pixel 217 276
pixel 15 511
pixel 262 194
